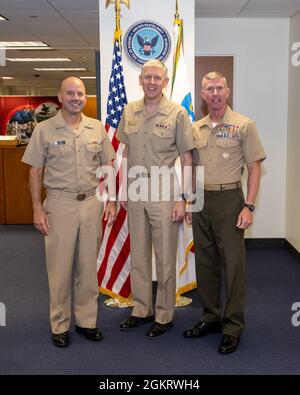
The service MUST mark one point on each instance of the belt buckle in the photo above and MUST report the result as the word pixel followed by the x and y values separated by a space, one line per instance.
pixel 81 196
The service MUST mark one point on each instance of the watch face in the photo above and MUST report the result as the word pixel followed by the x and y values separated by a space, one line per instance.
pixel 251 207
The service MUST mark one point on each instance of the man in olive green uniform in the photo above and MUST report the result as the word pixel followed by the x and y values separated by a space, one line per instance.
pixel 64 153
pixel 155 132
pixel 225 141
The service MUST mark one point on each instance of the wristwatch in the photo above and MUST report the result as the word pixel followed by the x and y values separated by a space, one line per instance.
pixel 185 196
pixel 251 207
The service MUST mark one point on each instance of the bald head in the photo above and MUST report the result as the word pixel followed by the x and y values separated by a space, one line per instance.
pixel 72 95
pixel 71 81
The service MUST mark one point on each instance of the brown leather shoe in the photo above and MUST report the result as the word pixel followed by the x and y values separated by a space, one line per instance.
pixel 229 344
pixel 61 339
pixel 89 333
pixel 158 329
pixel 202 329
pixel 133 322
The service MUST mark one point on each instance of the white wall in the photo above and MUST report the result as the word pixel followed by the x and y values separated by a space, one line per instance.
pixel 161 11
pixel 293 144
pixel 260 47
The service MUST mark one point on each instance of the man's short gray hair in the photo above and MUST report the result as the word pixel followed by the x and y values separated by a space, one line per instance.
pixel 213 75
pixel 155 63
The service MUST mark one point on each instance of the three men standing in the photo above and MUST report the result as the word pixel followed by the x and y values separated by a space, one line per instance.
pixel 64 152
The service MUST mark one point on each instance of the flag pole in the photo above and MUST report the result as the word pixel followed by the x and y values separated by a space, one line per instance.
pixel 116 300
pixel 178 54
pixel 118 31
pixel 179 24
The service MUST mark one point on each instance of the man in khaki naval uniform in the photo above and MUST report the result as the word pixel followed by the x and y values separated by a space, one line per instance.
pixel 225 140
pixel 155 132
pixel 64 153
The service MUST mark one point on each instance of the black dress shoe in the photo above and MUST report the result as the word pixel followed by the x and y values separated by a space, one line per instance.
pixel 202 329
pixel 61 339
pixel 158 329
pixel 228 344
pixel 89 333
pixel 133 322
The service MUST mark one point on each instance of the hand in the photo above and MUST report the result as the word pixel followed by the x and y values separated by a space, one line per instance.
pixel 178 211
pixel 244 219
pixel 188 217
pixel 124 204
pixel 41 221
pixel 110 213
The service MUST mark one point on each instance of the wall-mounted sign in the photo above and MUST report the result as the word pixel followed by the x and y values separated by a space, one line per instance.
pixel 146 40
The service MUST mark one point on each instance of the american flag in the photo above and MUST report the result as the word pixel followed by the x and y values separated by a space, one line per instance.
pixel 113 262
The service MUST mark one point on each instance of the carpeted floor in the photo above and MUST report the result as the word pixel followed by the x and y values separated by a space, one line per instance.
pixel 270 343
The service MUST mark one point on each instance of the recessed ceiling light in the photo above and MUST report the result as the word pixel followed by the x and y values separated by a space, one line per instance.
pixel 39 59
pixel 2 18
pixel 87 78
pixel 22 44
pixel 7 78
pixel 60 69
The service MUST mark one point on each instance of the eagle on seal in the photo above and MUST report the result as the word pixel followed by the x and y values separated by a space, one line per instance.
pixel 147 45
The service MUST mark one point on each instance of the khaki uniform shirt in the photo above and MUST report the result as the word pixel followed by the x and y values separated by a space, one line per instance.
pixel 70 159
pixel 224 149
pixel 156 139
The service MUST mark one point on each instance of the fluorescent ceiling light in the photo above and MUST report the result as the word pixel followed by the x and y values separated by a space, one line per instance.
pixel 88 78
pixel 7 78
pixel 39 59
pixel 60 69
pixel 22 44
pixel 2 18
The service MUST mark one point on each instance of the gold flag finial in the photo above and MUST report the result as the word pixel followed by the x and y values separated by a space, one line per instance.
pixel 117 2
pixel 118 31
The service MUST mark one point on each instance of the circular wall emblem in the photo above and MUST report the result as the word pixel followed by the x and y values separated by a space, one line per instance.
pixel 146 40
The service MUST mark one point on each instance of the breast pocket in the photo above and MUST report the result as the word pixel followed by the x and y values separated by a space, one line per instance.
pixel 93 151
pixel 132 133
pixel 58 151
pixel 200 143
pixel 228 147
pixel 163 139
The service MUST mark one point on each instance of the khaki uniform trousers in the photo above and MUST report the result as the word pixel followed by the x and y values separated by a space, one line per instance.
pixel 150 222
pixel 220 244
pixel 76 227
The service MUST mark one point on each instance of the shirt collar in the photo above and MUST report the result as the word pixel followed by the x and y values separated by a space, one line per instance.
pixel 226 117
pixel 59 121
pixel 163 106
